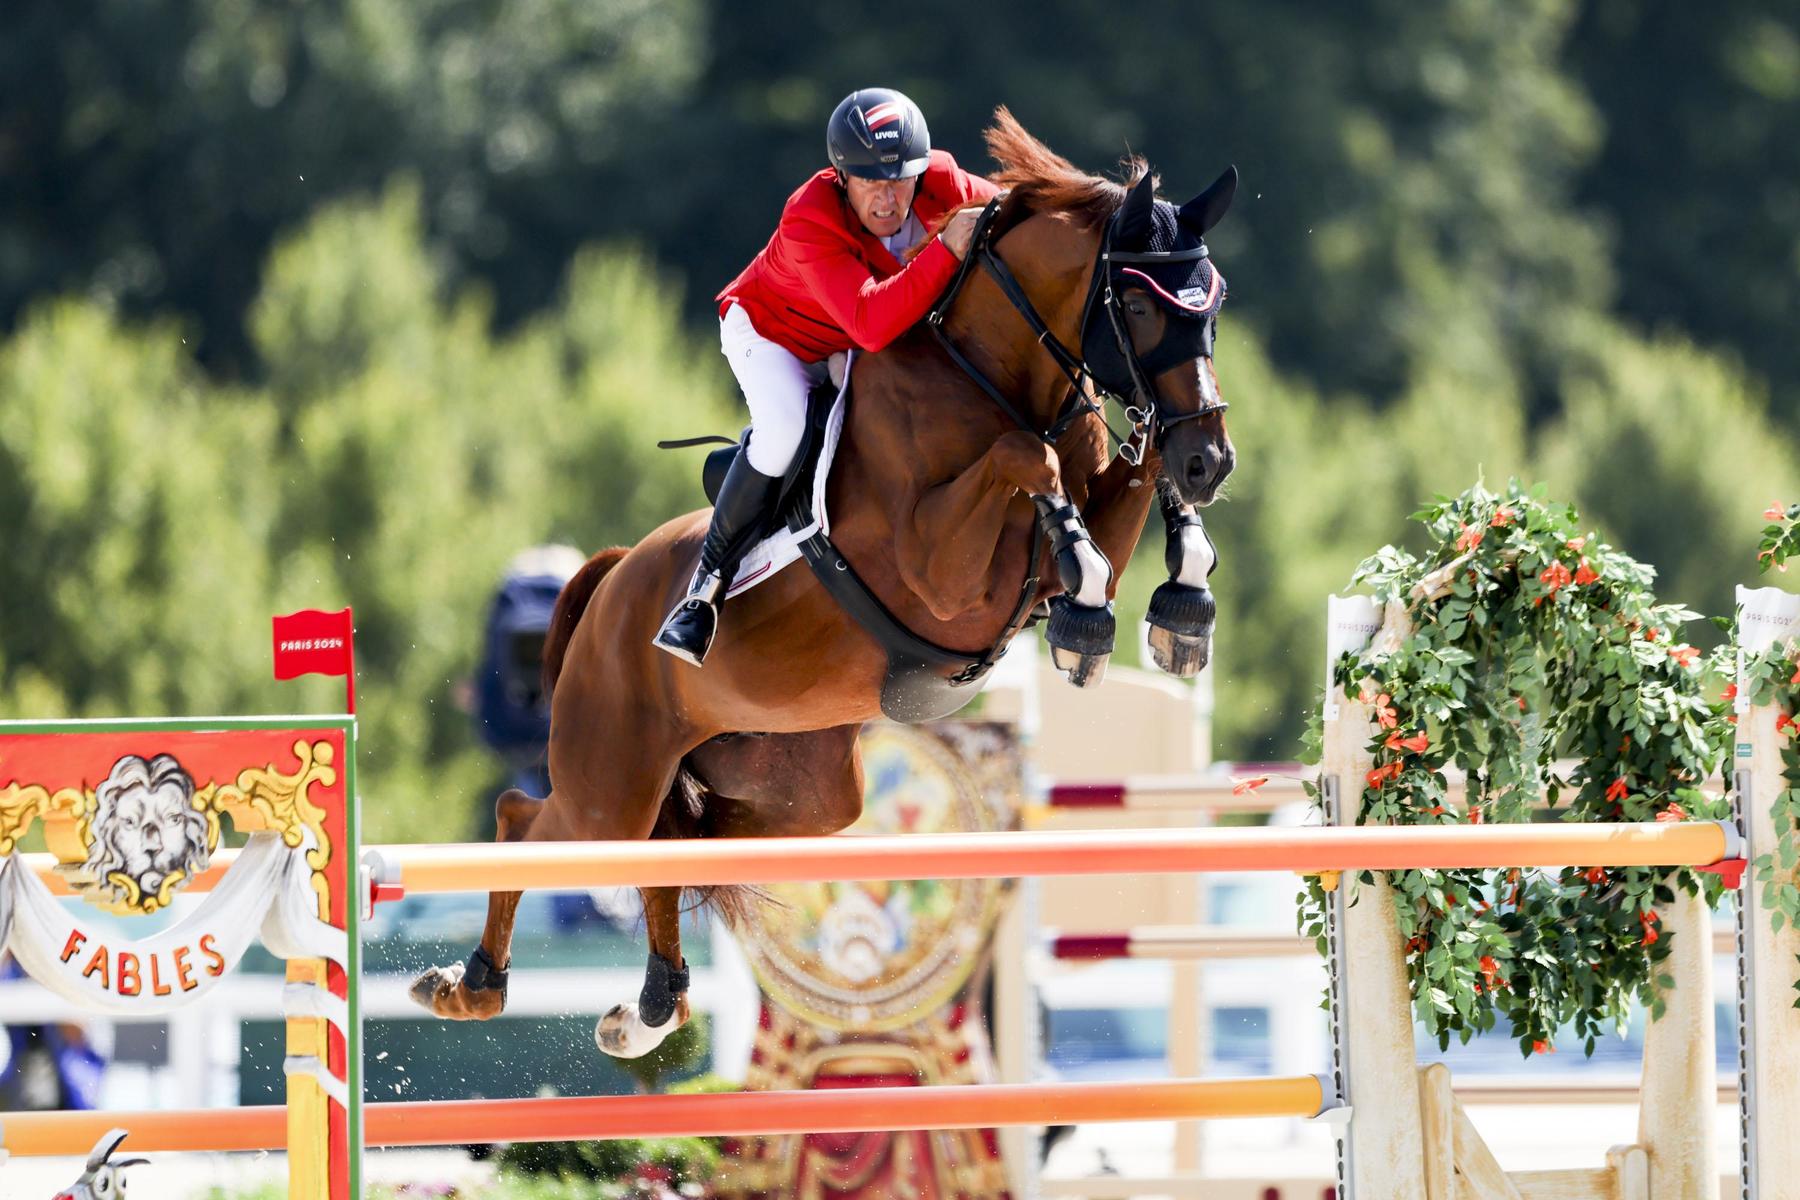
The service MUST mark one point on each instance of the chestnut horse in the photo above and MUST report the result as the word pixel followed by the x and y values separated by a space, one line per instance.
pixel 939 497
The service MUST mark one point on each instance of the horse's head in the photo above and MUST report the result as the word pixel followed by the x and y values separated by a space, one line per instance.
pixel 1146 320
pixel 1147 334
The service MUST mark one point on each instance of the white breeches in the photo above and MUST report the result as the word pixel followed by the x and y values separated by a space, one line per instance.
pixel 775 383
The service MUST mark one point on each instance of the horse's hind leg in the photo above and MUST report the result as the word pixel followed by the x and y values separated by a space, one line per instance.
pixel 603 789
pixel 783 785
pixel 633 1030
pixel 477 990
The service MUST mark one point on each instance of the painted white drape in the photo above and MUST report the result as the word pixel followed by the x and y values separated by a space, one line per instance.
pixel 268 890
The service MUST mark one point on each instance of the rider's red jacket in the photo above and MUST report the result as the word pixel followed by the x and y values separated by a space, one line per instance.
pixel 824 283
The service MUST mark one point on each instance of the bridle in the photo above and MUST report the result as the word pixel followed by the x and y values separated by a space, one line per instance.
pixel 1150 417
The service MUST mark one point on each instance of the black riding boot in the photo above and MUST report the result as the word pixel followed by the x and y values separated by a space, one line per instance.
pixel 745 496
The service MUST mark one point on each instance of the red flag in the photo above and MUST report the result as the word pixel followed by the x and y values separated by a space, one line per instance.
pixel 311 642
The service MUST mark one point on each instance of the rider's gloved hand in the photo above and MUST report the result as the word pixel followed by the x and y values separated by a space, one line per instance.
pixel 959 231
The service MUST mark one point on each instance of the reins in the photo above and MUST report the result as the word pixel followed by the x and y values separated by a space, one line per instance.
pixel 982 253
pixel 1150 421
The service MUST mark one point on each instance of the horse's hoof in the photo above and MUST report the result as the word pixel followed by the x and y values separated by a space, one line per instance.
pixel 1083 670
pixel 440 991
pixel 1081 639
pixel 1181 627
pixel 435 984
pixel 1179 655
pixel 623 1034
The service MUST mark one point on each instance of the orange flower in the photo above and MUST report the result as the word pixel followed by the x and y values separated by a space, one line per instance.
pixel 1384 712
pixel 1619 790
pixel 1489 969
pixel 1684 655
pixel 1671 814
pixel 1650 635
pixel 1784 721
pixel 1503 518
pixel 1648 921
pixel 1244 787
pixel 1795 677
pixel 1475 817
pixel 1775 512
pixel 1416 743
pixel 1731 691
pixel 1521 701
pixel 1555 577
pixel 1470 537
pixel 1367 694
pixel 1437 810
pixel 1380 775
pixel 1594 874
pixel 1585 574
pixel 1542 1048
pixel 1576 544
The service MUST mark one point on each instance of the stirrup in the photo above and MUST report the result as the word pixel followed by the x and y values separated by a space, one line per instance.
pixel 687 632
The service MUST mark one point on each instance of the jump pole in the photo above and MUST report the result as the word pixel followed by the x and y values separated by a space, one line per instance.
pixel 743 1114
pixel 515 866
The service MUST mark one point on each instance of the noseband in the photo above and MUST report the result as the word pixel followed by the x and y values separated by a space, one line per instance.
pixel 1136 393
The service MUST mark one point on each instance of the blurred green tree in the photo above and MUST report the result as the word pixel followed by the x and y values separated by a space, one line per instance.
pixel 398 456
pixel 1673 453
pixel 154 149
pixel 1698 175
pixel 136 501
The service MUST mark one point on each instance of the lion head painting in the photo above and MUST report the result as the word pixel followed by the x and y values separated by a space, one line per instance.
pixel 145 828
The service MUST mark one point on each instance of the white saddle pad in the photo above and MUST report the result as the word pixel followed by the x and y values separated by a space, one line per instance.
pixel 782 547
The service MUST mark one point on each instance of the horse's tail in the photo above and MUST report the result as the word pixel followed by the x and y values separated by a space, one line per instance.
pixel 570 604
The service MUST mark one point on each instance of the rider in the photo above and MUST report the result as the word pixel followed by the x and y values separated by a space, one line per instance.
pixel 831 277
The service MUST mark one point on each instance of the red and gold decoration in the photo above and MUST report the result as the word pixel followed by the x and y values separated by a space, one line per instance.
pixel 877 984
pixel 134 812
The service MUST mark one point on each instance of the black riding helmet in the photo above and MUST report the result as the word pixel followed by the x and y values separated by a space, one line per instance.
pixel 877 133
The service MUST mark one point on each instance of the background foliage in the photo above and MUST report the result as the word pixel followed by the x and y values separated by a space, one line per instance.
pixel 316 304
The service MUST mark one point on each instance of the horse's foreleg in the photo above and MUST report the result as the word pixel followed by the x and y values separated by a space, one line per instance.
pixel 945 547
pixel 1117 504
pixel 1082 626
pixel 1182 611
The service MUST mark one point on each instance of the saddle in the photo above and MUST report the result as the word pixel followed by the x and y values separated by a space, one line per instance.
pixel 924 681
pixel 798 481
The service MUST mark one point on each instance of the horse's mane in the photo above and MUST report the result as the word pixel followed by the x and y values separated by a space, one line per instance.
pixel 1045 181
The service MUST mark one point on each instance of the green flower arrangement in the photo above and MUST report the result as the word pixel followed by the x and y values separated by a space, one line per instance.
pixel 1773 677
pixel 1781 536
pixel 1533 643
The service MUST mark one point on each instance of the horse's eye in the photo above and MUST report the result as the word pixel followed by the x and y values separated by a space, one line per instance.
pixel 1136 308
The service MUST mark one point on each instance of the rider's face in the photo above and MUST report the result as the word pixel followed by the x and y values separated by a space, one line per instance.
pixel 881 204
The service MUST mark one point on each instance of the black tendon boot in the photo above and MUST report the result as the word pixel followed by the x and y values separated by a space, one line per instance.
pixel 687 632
